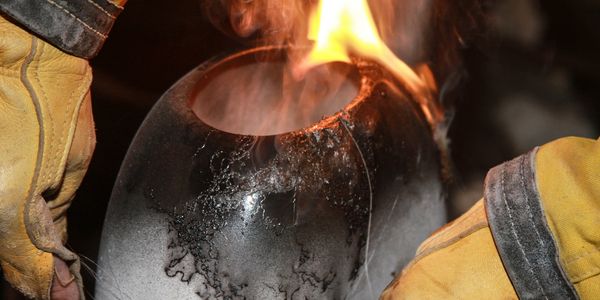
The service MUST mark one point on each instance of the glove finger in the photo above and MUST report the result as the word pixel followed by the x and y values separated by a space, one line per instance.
pixel 64 285
pixel 78 160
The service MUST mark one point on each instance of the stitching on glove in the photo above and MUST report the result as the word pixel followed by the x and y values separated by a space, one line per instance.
pixel 27 84
pixel 58 158
pixel 450 230
pixel 43 92
pixel 514 232
pixel 45 179
pixel 102 9
pixel 425 253
pixel 55 161
pixel 102 35
pixel 36 104
pixel 529 214
pixel 445 244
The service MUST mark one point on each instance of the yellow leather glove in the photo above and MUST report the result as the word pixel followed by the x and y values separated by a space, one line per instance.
pixel 46 142
pixel 536 234
pixel 459 261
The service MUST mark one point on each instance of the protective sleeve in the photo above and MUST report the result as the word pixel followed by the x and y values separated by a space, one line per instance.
pixel 533 236
pixel 543 210
pixel 78 27
pixel 521 234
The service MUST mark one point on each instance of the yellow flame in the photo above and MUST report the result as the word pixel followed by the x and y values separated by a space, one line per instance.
pixel 341 27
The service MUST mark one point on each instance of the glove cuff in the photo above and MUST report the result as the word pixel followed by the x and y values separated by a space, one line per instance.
pixel 76 27
pixel 521 233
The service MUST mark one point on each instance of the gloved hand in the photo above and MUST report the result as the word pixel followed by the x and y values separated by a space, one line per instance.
pixel 534 236
pixel 46 142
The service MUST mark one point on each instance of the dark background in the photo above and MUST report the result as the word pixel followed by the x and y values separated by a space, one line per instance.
pixel 533 77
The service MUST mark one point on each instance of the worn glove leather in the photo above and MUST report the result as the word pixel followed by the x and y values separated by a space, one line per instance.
pixel 46 141
pixel 462 261
pixel 459 261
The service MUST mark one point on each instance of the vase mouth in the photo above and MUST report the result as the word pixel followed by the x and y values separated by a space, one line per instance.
pixel 256 93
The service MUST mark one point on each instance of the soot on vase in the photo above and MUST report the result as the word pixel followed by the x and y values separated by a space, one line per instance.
pixel 242 183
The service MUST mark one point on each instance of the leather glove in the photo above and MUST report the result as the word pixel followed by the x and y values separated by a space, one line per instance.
pixel 533 236
pixel 46 142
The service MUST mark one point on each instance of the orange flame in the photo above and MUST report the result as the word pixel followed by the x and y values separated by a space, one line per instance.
pixel 341 27
pixel 306 88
